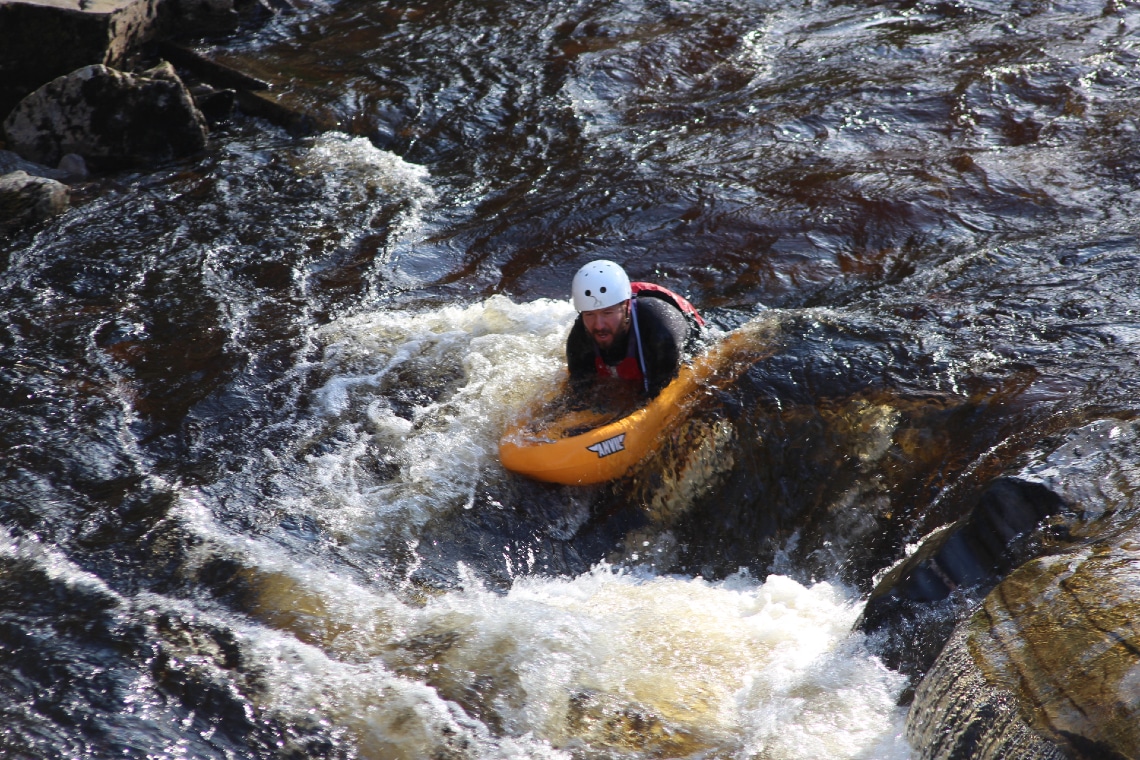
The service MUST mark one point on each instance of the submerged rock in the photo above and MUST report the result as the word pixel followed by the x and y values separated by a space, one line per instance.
pixel 25 199
pixel 11 162
pixel 110 118
pixel 72 167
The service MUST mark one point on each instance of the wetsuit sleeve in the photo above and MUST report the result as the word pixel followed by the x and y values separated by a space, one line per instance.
pixel 580 355
pixel 664 333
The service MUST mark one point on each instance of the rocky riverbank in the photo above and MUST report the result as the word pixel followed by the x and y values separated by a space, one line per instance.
pixel 88 87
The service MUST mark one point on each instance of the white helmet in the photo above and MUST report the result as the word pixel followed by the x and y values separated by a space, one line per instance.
pixel 599 285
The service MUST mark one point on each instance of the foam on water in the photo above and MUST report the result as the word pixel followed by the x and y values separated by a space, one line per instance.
pixel 651 663
pixel 610 663
pixel 409 417
pixel 52 563
pixel 359 168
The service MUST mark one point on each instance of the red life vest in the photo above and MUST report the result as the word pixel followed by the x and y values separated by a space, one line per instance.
pixel 664 293
pixel 629 368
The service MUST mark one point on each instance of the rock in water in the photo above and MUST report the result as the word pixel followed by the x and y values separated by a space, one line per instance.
pixel 25 199
pixel 957 713
pixel 110 118
pixel 1058 643
pixel 44 39
pixel 10 162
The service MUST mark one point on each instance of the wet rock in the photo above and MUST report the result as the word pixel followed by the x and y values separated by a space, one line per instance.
pixel 1052 658
pixel 1063 634
pixel 970 552
pixel 603 720
pixel 216 105
pixel 12 162
pixel 1047 664
pixel 957 713
pixel 216 74
pixel 110 118
pixel 73 166
pixel 25 199
pixel 916 604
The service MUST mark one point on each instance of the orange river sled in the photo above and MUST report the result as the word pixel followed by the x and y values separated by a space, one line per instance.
pixel 561 453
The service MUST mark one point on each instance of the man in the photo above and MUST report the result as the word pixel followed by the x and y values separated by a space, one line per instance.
pixel 636 331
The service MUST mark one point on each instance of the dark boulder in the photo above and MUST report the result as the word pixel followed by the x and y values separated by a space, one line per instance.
pixel 110 118
pixel 40 41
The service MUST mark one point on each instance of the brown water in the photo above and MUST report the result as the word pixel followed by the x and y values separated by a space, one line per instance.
pixel 250 401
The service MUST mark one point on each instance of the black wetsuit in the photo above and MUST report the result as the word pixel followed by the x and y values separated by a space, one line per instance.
pixel 665 335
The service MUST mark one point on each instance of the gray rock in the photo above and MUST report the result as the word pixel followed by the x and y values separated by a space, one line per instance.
pixel 110 118
pixel 25 199
pixel 1048 665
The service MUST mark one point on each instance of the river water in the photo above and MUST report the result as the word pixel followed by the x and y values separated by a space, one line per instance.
pixel 250 401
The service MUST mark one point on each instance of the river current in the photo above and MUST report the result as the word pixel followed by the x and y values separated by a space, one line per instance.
pixel 249 402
